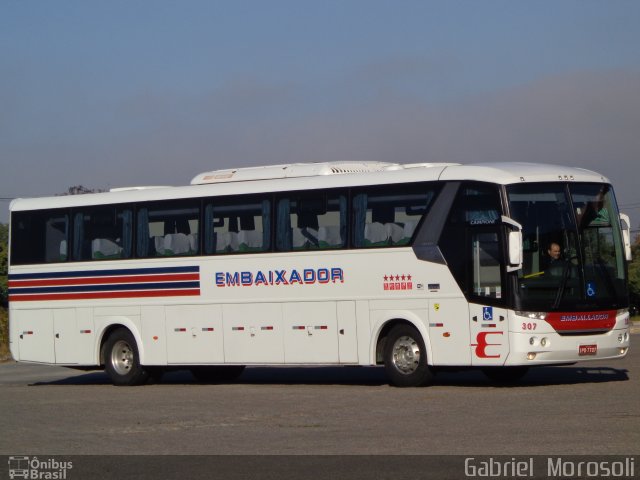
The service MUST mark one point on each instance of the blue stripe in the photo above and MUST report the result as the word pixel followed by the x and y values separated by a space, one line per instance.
pixel 106 288
pixel 103 273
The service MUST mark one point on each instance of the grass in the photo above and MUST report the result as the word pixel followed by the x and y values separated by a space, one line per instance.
pixel 5 354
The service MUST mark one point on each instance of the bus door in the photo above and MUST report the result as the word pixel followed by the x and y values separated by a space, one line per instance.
pixel 488 320
pixel 472 245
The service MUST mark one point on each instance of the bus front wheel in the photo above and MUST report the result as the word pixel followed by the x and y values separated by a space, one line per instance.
pixel 122 359
pixel 405 358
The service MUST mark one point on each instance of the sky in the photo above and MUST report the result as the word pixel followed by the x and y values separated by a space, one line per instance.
pixel 122 93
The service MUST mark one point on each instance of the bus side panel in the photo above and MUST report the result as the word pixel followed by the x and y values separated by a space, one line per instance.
pixel 152 331
pixel 347 332
pixel 86 339
pixel 310 332
pixel 34 332
pixel 449 331
pixel 253 333
pixel 194 334
pixel 14 336
pixel 365 355
pixel 66 335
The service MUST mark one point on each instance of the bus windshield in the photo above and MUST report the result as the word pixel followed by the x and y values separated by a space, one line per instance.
pixel 573 250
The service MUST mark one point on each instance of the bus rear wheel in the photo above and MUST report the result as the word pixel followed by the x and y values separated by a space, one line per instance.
pixel 405 358
pixel 122 359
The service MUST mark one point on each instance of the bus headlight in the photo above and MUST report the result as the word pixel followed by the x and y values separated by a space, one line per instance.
pixel 532 315
pixel 544 342
pixel 533 341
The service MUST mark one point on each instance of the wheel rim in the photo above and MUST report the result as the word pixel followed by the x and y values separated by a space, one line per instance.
pixel 406 355
pixel 122 357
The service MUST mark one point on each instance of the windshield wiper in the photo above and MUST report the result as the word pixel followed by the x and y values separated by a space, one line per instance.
pixel 563 285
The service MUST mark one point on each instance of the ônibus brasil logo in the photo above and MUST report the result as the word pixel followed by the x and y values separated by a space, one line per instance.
pixel 36 468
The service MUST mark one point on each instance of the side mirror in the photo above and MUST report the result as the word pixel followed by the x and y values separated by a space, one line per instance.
pixel 515 250
pixel 625 225
pixel 514 246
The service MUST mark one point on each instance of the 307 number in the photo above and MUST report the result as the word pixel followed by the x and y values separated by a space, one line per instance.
pixel 529 326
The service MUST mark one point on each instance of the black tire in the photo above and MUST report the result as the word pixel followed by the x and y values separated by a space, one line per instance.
pixel 122 360
pixel 405 358
pixel 505 375
pixel 217 374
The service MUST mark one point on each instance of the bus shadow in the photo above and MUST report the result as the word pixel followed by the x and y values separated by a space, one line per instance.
pixel 370 376
pixel 537 376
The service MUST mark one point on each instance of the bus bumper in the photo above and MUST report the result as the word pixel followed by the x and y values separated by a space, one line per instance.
pixel 551 348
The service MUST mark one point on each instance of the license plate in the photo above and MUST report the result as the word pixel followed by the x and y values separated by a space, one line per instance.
pixel 587 349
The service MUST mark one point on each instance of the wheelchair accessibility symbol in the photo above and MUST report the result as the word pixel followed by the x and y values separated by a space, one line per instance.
pixel 487 313
pixel 591 290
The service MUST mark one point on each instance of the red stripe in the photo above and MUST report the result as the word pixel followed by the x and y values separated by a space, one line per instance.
pixel 99 295
pixel 104 280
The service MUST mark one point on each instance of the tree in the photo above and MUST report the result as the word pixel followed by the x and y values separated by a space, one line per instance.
pixel 634 274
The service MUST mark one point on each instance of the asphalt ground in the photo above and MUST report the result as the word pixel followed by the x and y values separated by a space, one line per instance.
pixel 322 423
pixel 589 408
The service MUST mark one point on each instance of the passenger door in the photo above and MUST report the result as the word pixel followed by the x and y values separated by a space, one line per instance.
pixel 488 323
pixel 472 244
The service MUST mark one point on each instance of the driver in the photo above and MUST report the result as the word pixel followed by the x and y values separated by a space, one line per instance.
pixel 555 264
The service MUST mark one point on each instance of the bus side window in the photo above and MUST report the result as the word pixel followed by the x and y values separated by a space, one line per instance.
pixel 389 216
pixel 40 237
pixel 165 230
pixel 103 233
pixel 315 221
pixel 237 226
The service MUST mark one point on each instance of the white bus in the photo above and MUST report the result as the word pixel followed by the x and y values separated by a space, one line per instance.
pixel 415 267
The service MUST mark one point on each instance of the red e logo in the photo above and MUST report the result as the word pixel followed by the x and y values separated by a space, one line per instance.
pixel 482 345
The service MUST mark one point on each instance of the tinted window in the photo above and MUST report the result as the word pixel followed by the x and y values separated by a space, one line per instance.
pixel 168 229
pixel 39 237
pixel 237 226
pixel 470 240
pixel 311 221
pixel 388 216
pixel 102 233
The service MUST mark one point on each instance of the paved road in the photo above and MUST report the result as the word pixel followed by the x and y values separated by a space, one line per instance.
pixel 588 408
